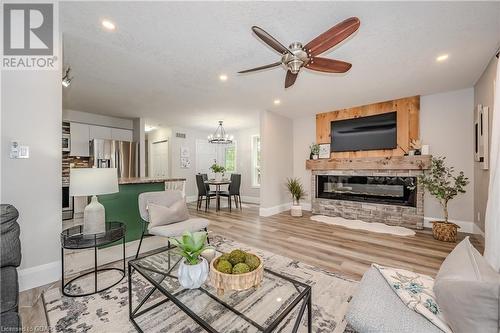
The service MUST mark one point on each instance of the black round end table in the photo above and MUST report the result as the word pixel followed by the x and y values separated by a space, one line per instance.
pixel 74 239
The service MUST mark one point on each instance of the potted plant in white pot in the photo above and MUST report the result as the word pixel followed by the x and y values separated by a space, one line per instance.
pixel 193 268
pixel 441 183
pixel 314 151
pixel 218 170
pixel 296 189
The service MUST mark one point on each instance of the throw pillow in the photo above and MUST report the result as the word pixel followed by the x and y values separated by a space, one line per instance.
pixel 163 215
pixel 467 290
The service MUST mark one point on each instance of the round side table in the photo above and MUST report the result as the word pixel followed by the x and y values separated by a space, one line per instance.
pixel 74 239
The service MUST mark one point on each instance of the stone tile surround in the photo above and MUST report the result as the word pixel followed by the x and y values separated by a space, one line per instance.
pixel 411 217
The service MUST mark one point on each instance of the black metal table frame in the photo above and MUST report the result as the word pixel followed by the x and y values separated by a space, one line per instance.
pixel 305 296
pixel 95 271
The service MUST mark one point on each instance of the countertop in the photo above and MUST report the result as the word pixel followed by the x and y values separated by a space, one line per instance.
pixel 147 180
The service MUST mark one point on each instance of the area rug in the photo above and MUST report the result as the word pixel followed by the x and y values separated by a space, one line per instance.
pixel 361 225
pixel 108 310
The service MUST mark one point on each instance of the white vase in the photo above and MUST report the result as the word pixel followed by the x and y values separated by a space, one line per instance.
pixel 315 157
pixel 218 176
pixel 193 276
pixel 296 210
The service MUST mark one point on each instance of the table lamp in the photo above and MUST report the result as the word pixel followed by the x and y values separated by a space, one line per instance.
pixel 93 182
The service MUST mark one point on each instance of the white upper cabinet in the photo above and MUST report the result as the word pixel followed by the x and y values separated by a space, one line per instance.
pixel 121 134
pixel 80 138
pixel 100 132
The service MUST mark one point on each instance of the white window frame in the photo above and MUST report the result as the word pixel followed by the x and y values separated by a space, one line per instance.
pixel 254 165
pixel 234 146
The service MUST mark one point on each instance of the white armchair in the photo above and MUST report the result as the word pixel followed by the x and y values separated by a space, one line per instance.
pixel 166 198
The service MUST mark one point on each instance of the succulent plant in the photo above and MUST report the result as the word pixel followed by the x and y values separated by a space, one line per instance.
pixel 224 266
pixel 241 268
pixel 252 261
pixel 237 257
pixel 191 245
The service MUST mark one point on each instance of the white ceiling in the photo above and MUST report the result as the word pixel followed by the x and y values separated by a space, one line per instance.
pixel 164 59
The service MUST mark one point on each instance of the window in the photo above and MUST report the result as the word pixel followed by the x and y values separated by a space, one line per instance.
pixel 255 160
pixel 230 159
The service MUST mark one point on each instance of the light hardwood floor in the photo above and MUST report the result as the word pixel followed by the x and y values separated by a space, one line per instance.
pixel 346 251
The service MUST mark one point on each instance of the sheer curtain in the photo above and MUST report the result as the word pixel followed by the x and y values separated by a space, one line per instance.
pixel 492 218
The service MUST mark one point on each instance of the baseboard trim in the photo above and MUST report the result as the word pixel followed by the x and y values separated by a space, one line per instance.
pixel 191 198
pixel 37 276
pixel 465 226
pixel 269 211
pixel 478 231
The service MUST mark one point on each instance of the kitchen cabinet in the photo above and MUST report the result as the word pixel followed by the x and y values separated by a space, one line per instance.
pixel 121 134
pixel 100 132
pixel 80 137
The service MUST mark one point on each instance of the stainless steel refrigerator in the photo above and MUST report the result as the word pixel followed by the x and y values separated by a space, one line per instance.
pixel 122 155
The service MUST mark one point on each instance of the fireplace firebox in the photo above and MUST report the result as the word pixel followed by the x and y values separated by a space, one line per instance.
pixel 374 189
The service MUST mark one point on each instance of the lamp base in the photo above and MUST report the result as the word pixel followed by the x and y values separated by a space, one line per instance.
pixel 93 217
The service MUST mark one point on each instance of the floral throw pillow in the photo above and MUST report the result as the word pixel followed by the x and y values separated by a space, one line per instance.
pixel 415 290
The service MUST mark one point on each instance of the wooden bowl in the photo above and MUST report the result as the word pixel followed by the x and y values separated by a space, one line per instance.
pixel 223 281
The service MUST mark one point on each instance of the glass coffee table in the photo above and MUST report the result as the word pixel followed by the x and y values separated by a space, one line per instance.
pixel 263 309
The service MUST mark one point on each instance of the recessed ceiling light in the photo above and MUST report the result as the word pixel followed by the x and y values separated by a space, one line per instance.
pixel 108 24
pixel 223 77
pixel 442 57
pixel 277 102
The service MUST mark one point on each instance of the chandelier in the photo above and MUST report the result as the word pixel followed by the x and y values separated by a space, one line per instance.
pixel 220 136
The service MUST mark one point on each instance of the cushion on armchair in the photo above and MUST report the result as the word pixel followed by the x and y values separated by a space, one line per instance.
pixel 467 290
pixel 163 215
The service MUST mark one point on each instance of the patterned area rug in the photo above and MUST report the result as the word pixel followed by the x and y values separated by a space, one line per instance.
pixel 108 310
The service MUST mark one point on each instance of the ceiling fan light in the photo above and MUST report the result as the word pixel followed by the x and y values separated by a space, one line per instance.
pixel 295 65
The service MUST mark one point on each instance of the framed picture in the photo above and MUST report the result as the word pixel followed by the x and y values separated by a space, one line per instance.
pixel 324 150
pixel 184 151
pixel 481 142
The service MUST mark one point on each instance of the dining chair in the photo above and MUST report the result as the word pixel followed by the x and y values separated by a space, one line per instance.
pixel 233 191
pixel 203 192
pixel 166 198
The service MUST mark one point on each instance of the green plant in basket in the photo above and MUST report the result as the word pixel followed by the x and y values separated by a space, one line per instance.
pixel 217 168
pixel 296 189
pixel 191 245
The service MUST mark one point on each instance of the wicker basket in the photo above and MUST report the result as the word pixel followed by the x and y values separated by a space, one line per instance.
pixel 222 281
pixel 446 232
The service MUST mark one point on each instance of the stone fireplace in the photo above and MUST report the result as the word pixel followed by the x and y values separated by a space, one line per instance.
pixel 383 194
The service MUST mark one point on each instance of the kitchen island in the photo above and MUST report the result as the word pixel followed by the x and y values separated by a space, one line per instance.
pixel 123 206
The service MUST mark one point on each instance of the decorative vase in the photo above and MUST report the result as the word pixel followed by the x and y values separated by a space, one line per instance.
pixel 193 276
pixel 296 210
pixel 218 176
pixel 315 157
pixel 444 231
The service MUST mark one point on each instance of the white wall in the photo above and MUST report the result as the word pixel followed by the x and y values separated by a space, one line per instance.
pixel 276 134
pixel 31 113
pixel 97 119
pixel 304 134
pixel 244 163
pixel 446 124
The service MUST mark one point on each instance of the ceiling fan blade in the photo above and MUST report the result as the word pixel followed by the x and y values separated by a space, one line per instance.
pixel 269 40
pixel 290 79
pixel 261 67
pixel 332 37
pixel 328 65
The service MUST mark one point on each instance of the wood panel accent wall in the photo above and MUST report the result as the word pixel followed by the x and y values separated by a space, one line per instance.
pixel 408 110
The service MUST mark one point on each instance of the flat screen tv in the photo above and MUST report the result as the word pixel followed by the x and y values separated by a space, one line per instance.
pixel 364 133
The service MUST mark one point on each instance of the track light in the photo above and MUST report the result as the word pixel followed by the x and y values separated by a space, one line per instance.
pixel 66 80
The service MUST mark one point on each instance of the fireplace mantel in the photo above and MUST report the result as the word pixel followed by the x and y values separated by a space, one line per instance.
pixel 420 162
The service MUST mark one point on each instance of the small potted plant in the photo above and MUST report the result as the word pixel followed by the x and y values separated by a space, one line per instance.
pixel 441 183
pixel 296 189
pixel 314 151
pixel 193 269
pixel 218 170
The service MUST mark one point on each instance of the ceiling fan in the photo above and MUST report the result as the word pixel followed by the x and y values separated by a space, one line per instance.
pixel 297 56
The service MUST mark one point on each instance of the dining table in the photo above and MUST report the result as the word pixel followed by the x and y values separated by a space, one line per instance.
pixel 217 184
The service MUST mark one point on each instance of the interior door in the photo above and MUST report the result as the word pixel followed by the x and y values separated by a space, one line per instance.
pixel 206 155
pixel 159 159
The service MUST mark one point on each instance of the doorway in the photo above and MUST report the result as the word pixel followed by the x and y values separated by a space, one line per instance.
pixel 159 159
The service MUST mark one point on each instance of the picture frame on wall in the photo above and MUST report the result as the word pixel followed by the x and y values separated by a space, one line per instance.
pixel 324 150
pixel 481 136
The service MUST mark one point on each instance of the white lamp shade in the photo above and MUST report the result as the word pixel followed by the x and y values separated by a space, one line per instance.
pixel 92 181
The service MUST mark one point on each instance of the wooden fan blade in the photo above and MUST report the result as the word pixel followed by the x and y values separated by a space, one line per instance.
pixel 261 67
pixel 332 37
pixel 290 79
pixel 328 65
pixel 269 40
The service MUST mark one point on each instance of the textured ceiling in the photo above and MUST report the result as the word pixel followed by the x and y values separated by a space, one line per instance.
pixel 164 59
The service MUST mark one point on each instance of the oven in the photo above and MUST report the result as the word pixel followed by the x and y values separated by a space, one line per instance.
pixel 67 203
pixel 66 142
